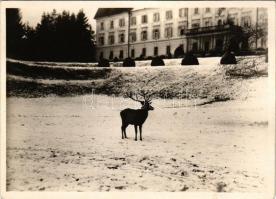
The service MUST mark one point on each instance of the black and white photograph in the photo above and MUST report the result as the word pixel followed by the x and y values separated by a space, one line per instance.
pixel 119 96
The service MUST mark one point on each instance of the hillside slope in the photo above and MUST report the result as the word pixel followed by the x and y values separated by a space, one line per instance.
pixel 206 81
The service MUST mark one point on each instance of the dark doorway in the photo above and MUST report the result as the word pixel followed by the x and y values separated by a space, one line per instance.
pixel 155 51
pixel 168 50
pixel 121 56
pixel 111 55
pixel 195 47
pixel 144 52
pixel 132 53
pixel 219 44
pixel 206 46
pixel 101 55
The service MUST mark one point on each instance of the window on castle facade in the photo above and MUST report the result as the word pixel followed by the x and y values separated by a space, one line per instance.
pixel 102 26
pixel 196 11
pixel 121 38
pixel 144 35
pixel 168 32
pixel 121 55
pixel 156 17
pixel 186 12
pixel 155 34
pixel 144 52
pixel 246 21
pixel 101 40
pixel 168 50
pixel 195 25
pixel 220 11
pixel 207 23
pixel 155 51
pixel 132 36
pixel 111 24
pixel 144 19
pixel 111 55
pixel 122 22
pixel 183 12
pixel 132 53
pixel 207 10
pixel 232 20
pixel 133 21
pixel 169 14
pixel 181 30
pixel 111 39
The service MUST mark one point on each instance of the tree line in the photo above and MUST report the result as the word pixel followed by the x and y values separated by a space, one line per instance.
pixel 61 36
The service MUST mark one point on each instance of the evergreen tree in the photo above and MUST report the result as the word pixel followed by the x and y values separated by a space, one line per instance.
pixel 14 32
pixel 58 37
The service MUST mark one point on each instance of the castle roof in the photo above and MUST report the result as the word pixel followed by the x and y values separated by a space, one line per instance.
pixel 104 12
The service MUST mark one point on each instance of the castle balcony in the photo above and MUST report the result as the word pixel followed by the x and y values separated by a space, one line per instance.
pixel 213 29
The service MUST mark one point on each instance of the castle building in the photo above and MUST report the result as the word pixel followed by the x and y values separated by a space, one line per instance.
pixel 123 32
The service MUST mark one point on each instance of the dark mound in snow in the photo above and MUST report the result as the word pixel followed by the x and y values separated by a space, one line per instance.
pixel 157 61
pixel 189 59
pixel 128 62
pixel 103 63
pixel 228 58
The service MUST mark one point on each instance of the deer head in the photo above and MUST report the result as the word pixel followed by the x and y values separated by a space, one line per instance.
pixel 143 98
pixel 144 92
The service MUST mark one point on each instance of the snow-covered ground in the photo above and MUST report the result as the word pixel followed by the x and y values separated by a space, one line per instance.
pixel 74 144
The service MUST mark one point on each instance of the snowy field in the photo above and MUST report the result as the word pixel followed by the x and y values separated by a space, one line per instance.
pixel 73 143
pixel 69 144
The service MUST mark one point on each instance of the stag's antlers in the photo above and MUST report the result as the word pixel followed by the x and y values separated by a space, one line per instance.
pixel 135 98
pixel 145 91
pixel 147 96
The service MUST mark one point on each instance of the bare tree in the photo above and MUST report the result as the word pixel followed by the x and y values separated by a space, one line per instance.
pixel 252 33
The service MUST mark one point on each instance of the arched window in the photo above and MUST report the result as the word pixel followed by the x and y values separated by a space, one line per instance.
pixel 155 34
pixel 219 22
pixel 122 38
pixel 144 35
pixel 132 36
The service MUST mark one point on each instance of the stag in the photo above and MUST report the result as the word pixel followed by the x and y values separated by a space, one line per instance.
pixel 135 117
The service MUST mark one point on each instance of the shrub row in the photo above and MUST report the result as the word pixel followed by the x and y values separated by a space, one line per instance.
pixel 189 59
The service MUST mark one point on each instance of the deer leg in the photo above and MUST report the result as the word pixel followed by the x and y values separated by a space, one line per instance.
pixel 122 128
pixel 125 131
pixel 135 127
pixel 140 129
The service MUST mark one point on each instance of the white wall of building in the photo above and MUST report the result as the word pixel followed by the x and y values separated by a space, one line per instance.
pixel 202 17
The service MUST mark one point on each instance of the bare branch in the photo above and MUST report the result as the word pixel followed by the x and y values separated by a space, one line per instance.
pixel 149 80
pixel 144 91
pixel 130 95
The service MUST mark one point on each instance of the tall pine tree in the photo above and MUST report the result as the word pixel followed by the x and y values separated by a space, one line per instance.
pixel 14 32
pixel 58 37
